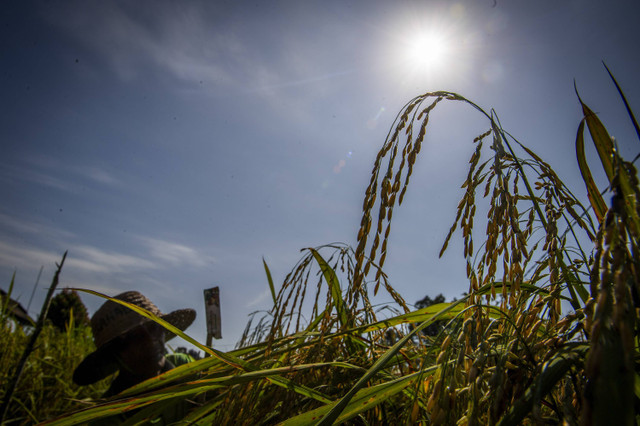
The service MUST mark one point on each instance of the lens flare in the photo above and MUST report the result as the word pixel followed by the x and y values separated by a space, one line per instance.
pixel 372 123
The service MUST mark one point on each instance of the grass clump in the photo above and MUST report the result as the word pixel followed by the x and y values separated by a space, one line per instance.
pixel 45 389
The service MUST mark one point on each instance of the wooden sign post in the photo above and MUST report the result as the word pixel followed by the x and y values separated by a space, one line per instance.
pixel 212 310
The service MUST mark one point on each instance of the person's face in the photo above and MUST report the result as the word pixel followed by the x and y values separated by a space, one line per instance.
pixel 141 351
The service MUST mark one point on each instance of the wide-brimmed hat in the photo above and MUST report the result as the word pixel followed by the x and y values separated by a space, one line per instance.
pixel 113 320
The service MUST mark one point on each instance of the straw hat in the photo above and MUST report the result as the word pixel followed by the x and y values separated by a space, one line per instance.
pixel 113 320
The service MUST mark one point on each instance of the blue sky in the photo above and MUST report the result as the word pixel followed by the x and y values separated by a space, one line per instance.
pixel 170 146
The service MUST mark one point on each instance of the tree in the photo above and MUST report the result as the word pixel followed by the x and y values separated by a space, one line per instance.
pixel 65 304
pixel 435 328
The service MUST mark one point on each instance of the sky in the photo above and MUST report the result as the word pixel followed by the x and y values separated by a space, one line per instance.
pixel 171 146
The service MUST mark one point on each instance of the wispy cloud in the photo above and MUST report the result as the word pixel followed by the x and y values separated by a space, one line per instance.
pixel 93 259
pixel 150 265
pixel 97 174
pixel 52 173
pixel 30 227
pixel 19 257
pixel 193 44
pixel 175 254
pixel 177 39
pixel 153 255
pixel 90 172
pixel 12 173
pixel 150 254
pixel 80 259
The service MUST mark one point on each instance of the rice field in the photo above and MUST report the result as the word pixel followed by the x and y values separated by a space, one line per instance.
pixel 546 334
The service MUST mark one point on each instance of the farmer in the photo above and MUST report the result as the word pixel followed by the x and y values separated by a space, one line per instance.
pixel 128 342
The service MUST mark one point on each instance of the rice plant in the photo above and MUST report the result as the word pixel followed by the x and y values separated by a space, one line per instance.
pixel 507 353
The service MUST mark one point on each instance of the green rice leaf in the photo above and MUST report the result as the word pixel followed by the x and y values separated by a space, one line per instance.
pixel 418 316
pixel 598 204
pixel 626 103
pixel 601 139
pixel 334 284
pixel 612 165
pixel 270 280
pixel 362 401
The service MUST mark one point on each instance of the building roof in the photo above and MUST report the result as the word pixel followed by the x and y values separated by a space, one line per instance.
pixel 16 310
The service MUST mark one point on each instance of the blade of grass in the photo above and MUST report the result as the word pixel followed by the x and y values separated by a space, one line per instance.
pixel 270 280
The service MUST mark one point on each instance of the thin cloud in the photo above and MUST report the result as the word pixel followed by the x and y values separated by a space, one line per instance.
pixel 151 254
pixel 24 258
pixel 87 172
pixel 22 226
pixel 11 173
pixel 183 43
pixel 53 174
pixel 175 254
pixel 98 175
pixel 92 259
pixel 177 42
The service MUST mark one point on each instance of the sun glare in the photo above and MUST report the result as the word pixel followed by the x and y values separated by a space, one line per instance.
pixel 426 47
pixel 426 52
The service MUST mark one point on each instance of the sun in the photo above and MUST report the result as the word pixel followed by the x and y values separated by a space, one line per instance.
pixel 426 52
pixel 430 47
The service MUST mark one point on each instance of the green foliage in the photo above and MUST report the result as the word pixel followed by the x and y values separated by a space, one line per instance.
pixel 506 353
pixel 191 352
pixel 45 389
pixel 65 304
